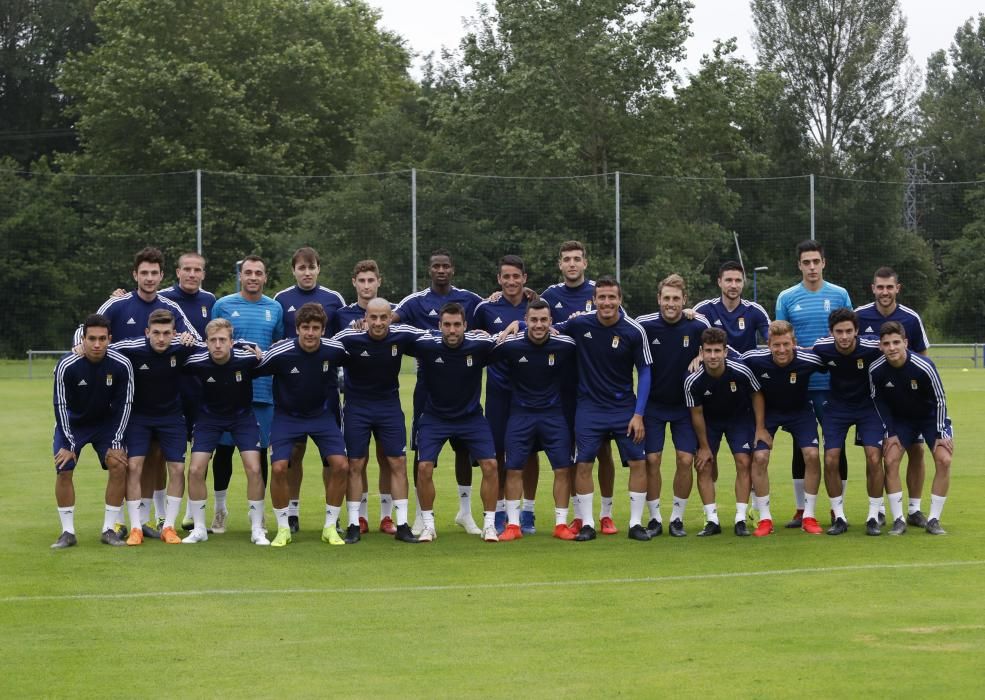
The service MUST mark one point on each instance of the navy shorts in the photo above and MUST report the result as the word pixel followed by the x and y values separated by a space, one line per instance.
pixel 100 436
pixel 243 430
pixel 594 424
pixel 264 413
pixel 802 425
pixel 384 419
pixel 170 431
pixel 471 432
pixel 681 429
pixel 739 432
pixel 288 430
pixel 530 431
pixel 838 418
pixel 912 432
pixel 498 414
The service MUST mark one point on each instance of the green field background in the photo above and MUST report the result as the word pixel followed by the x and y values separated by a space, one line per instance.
pixel 789 615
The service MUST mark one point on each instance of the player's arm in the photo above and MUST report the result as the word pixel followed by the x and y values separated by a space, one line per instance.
pixel 122 403
pixel 759 411
pixel 636 429
pixel 62 420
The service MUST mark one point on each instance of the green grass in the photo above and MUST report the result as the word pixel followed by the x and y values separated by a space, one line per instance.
pixel 789 615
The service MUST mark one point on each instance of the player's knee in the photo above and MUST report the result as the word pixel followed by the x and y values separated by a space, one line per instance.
pixel 280 468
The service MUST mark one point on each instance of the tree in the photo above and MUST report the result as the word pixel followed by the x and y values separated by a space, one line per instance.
pixel 35 39
pixel 846 61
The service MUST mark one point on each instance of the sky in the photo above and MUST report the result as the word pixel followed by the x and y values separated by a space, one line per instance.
pixel 427 25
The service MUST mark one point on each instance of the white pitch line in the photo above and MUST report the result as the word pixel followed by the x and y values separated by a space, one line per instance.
pixel 484 586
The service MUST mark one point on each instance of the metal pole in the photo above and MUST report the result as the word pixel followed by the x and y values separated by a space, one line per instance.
pixel 30 365
pixel 413 230
pixel 198 211
pixel 755 286
pixel 812 206
pixel 618 241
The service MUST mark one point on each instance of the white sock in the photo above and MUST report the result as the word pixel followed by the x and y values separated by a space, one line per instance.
pixel 465 500
pixel 513 513
pixel 882 504
pixel 67 516
pixel 838 506
pixel 501 505
pixel 256 514
pixel 936 506
pixel 172 507
pixel 386 506
pixel 220 499
pixel 281 516
pixel 874 504
pixel 111 516
pixel 798 493
pixel 637 501
pixel 528 505
pixel 353 509
pixel 364 506
pixel 576 505
pixel 428 517
pixel 741 510
pixel 711 512
pixel 294 508
pixel 654 507
pixel 160 503
pixel 587 506
pixel 763 506
pixel 896 505
pixel 197 510
pixel 133 510
pixel 913 506
pixel 560 516
pixel 489 519
pixel 332 515
pixel 677 509
pixel 605 511
pixel 145 504
pixel 400 510
pixel 810 505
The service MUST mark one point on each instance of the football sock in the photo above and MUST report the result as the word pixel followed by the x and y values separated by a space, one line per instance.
pixel 133 510
pixel 364 506
pixel 294 508
pixel 936 506
pixel 386 506
pixel 220 500
pixel 838 506
pixel 637 500
pixel 711 512
pixel 798 493
pixel 654 507
pixel 353 509
pixel 560 516
pixel 605 511
pixel 741 509
pixel 874 504
pixel 428 517
pixel 677 509
pixel 501 505
pixel 111 516
pixel 810 505
pixel 913 505
pixel 513 512
pixel 400 511
pixel 197 509
pixel 332 515
pixel 256 514
pixel 896 505
pixel 281 515
pixel 465 499
pixel 528 505
pixel 489 519
pixel 144 512
pixel 587 506
pixel 763 506
pixel 67 516
pixel 160 503
pixel 172 507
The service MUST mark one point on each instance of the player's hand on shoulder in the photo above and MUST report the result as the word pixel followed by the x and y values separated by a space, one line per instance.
pixel 117 293
pixel 694 364
pixel 495 296
pixel 689 314
pixel 78 350
pixel 530 295
pixel 187 339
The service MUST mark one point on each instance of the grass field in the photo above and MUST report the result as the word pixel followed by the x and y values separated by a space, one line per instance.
pixel 786 616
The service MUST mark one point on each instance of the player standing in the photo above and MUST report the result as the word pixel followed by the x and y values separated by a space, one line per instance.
pixel 575 294
pixel 741 319
pixel 725 399
pixel 306 266
pixel 92 399
pixel 610 345
pixel 674 342
pixel 871 317
pixel 257 319
pixel 909 396
pixel 806 306
pixel 847 357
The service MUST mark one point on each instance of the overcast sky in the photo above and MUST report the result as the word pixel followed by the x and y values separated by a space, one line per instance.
pixel 427 25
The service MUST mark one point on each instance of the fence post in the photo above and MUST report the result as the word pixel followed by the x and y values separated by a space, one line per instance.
pixel 812 205
pixel 618 241
pixel 30 365
pixel 198 210
pixel 413 230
